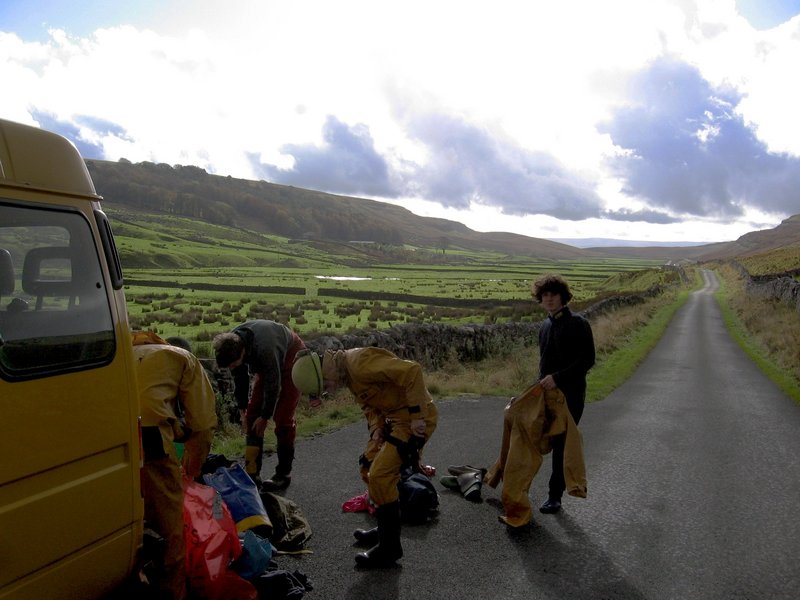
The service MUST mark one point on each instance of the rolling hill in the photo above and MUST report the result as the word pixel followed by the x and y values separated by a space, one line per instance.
pixel 300 213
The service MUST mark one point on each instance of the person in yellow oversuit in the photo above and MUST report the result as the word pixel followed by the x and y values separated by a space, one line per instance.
pixel 401 417
pixel 531 422
pixel 177 405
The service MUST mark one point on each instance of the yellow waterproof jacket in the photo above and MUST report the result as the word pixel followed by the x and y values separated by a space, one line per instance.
pixel 385 386
pixel 167 375
pixel 529 423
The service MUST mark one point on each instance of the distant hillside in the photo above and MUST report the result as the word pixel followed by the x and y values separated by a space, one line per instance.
pixel 609 242
pixel 299 213
pixel 296 212
pixel 786 234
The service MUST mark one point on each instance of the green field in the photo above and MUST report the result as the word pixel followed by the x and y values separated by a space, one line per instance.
pixel 187 278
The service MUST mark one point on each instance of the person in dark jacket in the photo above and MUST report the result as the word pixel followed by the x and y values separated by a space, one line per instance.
pixel 566 353
pixel 264 350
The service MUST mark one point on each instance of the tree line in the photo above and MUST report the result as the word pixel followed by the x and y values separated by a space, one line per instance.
pixel 269 208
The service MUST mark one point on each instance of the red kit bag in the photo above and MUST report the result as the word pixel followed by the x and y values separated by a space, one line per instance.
pixel 212 544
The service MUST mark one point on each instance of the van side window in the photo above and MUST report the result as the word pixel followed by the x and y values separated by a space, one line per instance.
pixel 54 310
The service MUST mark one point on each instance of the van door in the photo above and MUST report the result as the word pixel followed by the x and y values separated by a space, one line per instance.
pixel 70 503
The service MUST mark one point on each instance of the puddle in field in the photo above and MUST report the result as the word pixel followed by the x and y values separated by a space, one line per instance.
pixel 347 278
pixel 343 278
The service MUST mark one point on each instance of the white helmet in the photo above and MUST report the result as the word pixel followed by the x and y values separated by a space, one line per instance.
pixel 307 373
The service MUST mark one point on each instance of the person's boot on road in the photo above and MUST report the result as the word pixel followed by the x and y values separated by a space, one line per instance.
pixel 388 550
pixel 282 477
pixel 366 537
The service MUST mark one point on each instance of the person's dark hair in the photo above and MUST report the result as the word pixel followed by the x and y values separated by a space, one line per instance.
pixel 227 348
pixel 180 342
pixel 554 284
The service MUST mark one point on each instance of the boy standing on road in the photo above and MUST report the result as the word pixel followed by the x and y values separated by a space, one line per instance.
pixel 265 350
pixel 566 353
pixel 401 417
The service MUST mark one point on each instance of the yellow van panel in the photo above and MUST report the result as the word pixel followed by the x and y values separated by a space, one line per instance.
pixel 80 413
pixel 82 576
pixel 36 158
pixel 74 479
pixel 71 510
pixel 71 491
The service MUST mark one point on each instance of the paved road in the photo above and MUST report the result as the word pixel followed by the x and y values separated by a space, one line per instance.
pixel 694 492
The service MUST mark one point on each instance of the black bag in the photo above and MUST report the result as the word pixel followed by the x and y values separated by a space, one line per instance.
pixel 214 462
pixel 278 583
pixel 419 500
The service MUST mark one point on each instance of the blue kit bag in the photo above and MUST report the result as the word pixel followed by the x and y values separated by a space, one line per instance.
pixel 240 493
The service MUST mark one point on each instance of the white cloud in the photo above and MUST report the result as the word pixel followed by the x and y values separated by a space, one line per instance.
pixel 250 91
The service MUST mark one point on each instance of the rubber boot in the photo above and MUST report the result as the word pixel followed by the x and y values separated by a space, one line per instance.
pixel 461 469
pixel 366 537
pixel 450 482
pixel 252 463
pixel 470 483
pixel 388 550
pixel 283 471
pixel 285 460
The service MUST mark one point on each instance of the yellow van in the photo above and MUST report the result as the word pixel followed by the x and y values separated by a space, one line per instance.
pixel 71 508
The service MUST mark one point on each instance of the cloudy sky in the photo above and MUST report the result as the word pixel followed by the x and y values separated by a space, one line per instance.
pixel 647 120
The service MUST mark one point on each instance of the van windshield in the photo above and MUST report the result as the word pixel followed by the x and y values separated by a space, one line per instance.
pixel 54 310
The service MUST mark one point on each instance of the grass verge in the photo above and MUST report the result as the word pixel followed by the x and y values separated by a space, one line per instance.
pixel 767 331
pixel 335 412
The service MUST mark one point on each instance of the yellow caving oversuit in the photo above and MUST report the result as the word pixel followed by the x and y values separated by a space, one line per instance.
pixel 392 393
pixel 529 422
pixel 171 381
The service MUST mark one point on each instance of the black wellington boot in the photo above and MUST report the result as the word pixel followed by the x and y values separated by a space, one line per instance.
pixel 366 537
pixel 470 483
pixel 285 460
pixel 388 550
pixel 283 471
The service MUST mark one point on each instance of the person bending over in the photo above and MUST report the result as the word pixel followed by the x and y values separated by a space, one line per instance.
pixel 401 417
pixel 263 350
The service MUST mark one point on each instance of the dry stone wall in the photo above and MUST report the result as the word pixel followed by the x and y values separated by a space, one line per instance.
pixel 783 288
pixel 430 344
pixel 434 344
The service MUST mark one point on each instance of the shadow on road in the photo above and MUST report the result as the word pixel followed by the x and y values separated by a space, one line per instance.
pixel 558 557
pixel 367 586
